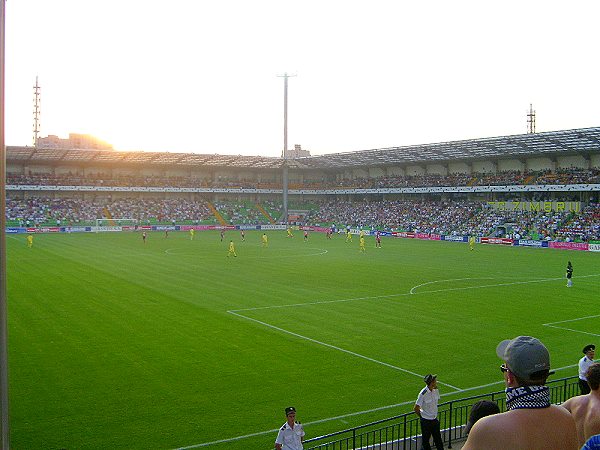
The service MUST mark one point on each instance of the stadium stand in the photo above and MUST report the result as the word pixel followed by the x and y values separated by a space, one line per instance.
pixel 430 188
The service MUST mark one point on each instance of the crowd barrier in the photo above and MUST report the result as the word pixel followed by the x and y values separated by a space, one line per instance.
pixel 402 432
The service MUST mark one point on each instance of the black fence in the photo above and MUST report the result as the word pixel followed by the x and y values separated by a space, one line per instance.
pixel 403 432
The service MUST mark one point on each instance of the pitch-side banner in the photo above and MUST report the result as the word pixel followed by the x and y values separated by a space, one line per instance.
pixel 403 234
pixel 428 237
pixel 497 241
pixel 455 238
pixel 530 243
pixel 569 245
pixel 272 227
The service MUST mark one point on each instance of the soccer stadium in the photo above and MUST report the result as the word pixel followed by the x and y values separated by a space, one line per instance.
pixel 180 300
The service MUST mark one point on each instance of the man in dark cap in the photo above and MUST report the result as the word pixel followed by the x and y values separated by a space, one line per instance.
pixel 426 407
pixel 531 420
pixel 589 351
pixel 291 434
pixel 481 409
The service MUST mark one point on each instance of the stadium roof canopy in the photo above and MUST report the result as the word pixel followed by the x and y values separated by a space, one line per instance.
pixel 578 141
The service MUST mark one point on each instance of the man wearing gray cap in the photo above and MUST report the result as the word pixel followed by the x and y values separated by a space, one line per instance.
pixel 531 421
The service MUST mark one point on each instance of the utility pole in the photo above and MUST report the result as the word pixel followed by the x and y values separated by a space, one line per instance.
pixel 4 431
pixel 531 120
pixel 36 112
pixel 285 77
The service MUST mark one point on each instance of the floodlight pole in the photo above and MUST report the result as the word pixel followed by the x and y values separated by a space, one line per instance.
pixel 4 431
pixel 285 77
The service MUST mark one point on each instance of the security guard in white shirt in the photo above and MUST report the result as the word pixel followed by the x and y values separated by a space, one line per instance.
pixel 584 364
pixel 291 434
pixel 426 407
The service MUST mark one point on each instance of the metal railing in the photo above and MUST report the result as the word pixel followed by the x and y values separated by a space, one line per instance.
pixel 402 432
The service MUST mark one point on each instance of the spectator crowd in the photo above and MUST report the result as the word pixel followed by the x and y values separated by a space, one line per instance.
pixel 457 217
pixel 505 178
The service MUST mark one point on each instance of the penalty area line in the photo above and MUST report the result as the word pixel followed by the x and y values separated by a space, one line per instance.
pixel 411 292
pixel 572 320
pixel 343 350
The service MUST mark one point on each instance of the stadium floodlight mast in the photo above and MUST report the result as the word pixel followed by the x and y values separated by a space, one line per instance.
pixel 285 77
pixel 4 443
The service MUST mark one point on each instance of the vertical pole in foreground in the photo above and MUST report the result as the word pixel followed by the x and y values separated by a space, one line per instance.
pixel 285 89
pixel 4 444
pixel 284 152
pixel 285 167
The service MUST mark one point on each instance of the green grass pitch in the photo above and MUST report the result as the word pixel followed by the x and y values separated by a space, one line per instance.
pixel 116 344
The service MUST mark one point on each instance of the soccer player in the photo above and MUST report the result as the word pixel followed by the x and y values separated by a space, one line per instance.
pixel 569 274
pixel 30 240
pixel 472 242
pixel 328 233
pixel 144 237
pixel 377 239
pixel 243 234
pixel 361 244
pixel 222 235
pixel 348 235
pixel 166 234
pixel 289 232
pixel 305 236
pixel 192 232
pixel 231 250
pixel 265 240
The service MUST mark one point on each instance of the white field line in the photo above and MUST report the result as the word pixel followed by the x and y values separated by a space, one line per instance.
pixel 344 416
pixel 343 350
pixel 575 331
pixel 572 320
pixel 412 291
pixel 405 294
pixel 553 325
pixel 353 299
pixel 543 280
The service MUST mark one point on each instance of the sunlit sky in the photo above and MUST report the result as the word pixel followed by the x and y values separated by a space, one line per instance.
pixel 202 76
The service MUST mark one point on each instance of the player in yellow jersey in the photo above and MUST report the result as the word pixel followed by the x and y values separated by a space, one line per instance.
pixel 192 233
pixel 472 242
pixel 231 250
pixel 348 236
pixel 361 244
pixel 265 240
pixel 289 232
pixel 30 240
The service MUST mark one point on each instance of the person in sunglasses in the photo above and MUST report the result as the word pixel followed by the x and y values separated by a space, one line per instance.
pixel 531 421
